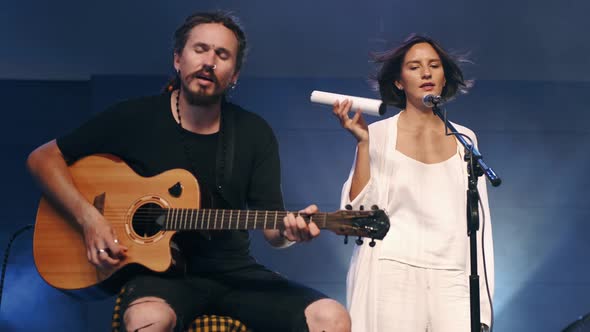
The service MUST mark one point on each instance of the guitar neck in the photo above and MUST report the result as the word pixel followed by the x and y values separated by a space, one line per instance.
pixel 217 219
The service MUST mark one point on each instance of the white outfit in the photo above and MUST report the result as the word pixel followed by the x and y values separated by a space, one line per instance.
pixel 416 279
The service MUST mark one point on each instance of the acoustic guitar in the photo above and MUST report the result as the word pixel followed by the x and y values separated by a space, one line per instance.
pixel 145 213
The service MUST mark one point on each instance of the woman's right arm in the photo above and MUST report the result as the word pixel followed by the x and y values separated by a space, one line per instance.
pixel 359 129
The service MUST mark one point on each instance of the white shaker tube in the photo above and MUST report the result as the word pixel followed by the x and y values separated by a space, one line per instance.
pixel 368 106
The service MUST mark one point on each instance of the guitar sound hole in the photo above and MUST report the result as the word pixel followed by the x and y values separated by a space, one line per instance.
pixel 144 220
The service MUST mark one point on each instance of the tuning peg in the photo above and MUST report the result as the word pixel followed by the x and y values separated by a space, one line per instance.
pixel 345 239
pixel 359 241
pixel 361 207
pixel 348 207
pixel 372 243
pixel 374 207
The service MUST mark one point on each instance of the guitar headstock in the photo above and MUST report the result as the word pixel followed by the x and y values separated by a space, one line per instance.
pixel 373 224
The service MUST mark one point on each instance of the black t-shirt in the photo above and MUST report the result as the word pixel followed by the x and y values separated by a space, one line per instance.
pixel 146 136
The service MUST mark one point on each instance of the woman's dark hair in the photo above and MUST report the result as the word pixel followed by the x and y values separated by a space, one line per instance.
pixel 391 65
pixel 226 19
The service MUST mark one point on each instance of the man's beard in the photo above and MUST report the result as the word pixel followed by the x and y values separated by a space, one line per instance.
pixel 200 99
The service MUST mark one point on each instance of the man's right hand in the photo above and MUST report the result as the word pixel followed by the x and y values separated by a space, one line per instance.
pixel 48 166
pixel 102 245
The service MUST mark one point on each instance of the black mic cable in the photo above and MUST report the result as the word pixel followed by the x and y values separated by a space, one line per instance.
pixel 6 254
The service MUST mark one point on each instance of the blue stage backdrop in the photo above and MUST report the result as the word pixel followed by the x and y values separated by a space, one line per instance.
pixel 534 133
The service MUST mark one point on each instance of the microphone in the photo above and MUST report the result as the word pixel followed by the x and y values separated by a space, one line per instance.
pixel 367 106
pixel 431 100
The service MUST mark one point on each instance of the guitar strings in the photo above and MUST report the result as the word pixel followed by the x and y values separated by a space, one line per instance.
pixel 147 216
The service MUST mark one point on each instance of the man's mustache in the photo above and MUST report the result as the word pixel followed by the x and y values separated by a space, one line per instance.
pixel 205 73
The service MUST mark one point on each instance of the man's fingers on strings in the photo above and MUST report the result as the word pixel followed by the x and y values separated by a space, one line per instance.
pixel 314 230
pixel 310 209
pixel 302 229
pixel 289 222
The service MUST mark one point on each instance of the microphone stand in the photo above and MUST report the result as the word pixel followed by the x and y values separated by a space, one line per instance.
pixel 475 168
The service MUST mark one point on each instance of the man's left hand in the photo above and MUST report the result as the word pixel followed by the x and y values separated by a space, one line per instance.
pixel 299 230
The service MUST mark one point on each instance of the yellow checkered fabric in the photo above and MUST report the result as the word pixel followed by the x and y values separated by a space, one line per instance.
pixel 212 323
pixel 205 323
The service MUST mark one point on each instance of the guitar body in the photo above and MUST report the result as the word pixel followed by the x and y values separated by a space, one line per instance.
pixel 114 188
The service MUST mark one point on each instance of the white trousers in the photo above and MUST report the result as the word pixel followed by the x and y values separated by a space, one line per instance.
pixel 414 299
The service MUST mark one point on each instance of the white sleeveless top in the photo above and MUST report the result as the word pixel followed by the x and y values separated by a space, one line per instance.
pixel 427 213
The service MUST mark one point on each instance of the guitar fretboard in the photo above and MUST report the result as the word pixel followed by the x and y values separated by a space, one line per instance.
pixel 216 219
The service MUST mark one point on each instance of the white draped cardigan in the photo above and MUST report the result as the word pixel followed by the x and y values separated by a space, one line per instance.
pixel 362 274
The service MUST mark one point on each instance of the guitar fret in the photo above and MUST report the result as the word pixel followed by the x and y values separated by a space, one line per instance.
pixel 174 218
pixel 200 226
pixel 238 219
pixel 186 219
pixel 222 217
pixel 215 222
pixel 247 214
pixel 191 212
pixel 194 218
pixel 256 220
pixel 179 218
pixel 208 219
pixel 167 224
pixel 265 216
pixel 183 215
pixel 275 223
pixel 230 215
pixel 190 219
